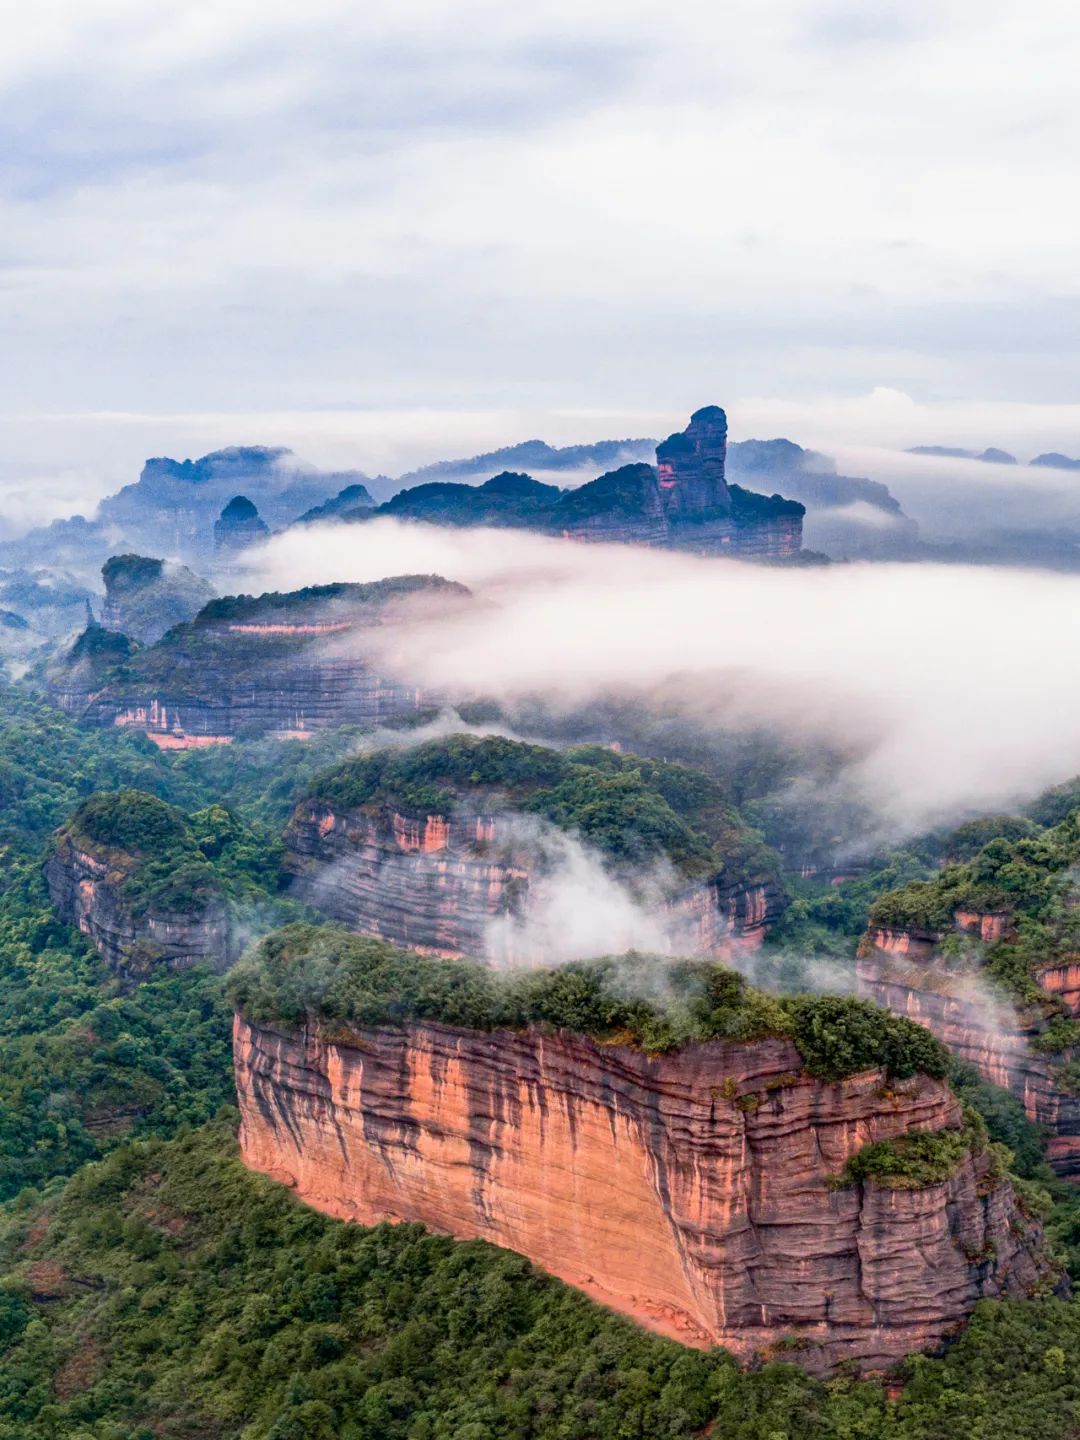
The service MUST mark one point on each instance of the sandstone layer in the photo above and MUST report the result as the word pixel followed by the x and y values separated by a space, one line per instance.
pixel 436 883
pixel 287 665
pixel 691 1191
pixel 88 889
pixel 902 971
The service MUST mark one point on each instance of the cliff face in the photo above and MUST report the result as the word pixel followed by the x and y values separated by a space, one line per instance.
pixel 690 1191
pixel 88 890
pixel 145 597
pixel 901 971
pixel 435 883
pixel 287 665
pixel 682 504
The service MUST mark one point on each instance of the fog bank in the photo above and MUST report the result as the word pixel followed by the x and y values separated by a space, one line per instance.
pixel 954 688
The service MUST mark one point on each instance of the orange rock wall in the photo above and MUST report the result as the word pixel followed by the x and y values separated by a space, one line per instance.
pixel 689 1191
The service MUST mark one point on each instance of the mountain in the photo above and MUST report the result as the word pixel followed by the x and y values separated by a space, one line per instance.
pixel 991 455
pixel 439 846
pixel 1053 461
pixel 983 955
pixel 144 596
pixel 534 455
pixel 684 503
pixel 128 870
pixel 737 1175
pixel 173 505
pixel 846 516
pixel 287 664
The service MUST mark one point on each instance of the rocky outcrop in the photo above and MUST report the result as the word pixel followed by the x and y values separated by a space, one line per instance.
pixel 682 504
pixel 287 665
pixel 690 466
pixel 145 597
pixel 695 1191
pixel 89 887
pixel 436 882
pixel 903 971
pixel 238 526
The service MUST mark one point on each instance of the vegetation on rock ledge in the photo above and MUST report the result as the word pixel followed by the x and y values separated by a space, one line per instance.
pixel 346 980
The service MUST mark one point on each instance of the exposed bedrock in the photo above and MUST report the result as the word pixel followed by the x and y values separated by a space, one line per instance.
pixel 286 664
pixel 689 1190
pixel 436 883
pixel 89 890
pixel 902 971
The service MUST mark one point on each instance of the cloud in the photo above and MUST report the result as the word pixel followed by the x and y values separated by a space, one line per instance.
pixel 949 688
pixel 261 207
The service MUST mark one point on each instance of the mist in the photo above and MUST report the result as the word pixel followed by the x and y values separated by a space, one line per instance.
pixel 951 688
pixel 576 908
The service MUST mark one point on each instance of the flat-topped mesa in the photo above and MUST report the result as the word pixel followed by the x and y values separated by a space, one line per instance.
pixel 434 847
pixel 740 1192
pixel 995 975
pixel 286 664
pixel 126 869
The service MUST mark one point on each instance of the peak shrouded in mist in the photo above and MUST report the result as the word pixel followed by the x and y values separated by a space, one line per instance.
pixel 949 687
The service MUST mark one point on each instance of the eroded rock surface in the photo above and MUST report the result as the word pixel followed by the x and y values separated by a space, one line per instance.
pixel 88 887
pixel 690 1190
pixel 436 882
pixel 903 971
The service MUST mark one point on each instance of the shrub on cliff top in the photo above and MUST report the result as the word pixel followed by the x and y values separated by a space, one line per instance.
pixel 172 861
pixel 344 980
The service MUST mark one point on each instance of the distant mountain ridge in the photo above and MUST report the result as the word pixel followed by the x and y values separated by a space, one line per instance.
pixel 535 455
pixel 1049 460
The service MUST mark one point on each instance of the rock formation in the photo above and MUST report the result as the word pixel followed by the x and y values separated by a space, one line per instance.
pixel 1052 460
pixel 437 882
pixel 903 970
pixel 139 923
pixel 344 505
pixel 285 664
pixel 690 466
pixel 145 597
pixel 238 526
pixel 696 1191
pixel 435 877
pixel 683 504
pixel 172 507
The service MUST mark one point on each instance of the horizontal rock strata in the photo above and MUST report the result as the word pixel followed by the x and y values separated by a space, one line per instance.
pixel 436 884
pixel 901 971
pixel 690 1191
pixel 88 890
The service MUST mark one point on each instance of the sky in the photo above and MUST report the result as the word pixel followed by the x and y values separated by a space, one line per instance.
pixel 385 234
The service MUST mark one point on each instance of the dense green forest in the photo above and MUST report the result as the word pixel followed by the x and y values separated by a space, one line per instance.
pixel 150 1286
pixel 631 808
pixel 167 1291
pixel 349 980
pixel 84 1062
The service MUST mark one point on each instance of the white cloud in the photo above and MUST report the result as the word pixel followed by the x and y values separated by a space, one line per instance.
pixel 950 686
pixel 258 206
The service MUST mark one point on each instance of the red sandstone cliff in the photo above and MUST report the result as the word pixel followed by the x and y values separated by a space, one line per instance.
pixel 288 665
pixel 689 1190
pixel 88 889
pixel 903 971
pixel 436 883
